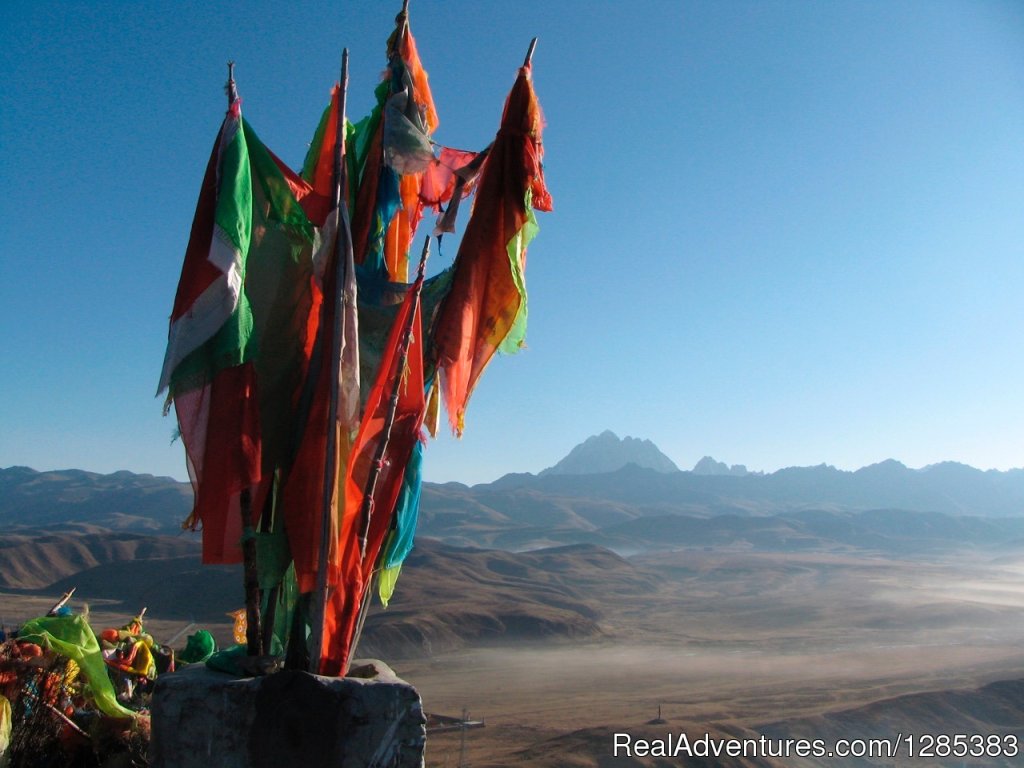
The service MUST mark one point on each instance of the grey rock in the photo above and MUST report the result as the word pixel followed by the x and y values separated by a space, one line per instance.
pixel 202 718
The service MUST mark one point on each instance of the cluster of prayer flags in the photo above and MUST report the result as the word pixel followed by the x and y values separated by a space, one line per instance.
pixel 299 354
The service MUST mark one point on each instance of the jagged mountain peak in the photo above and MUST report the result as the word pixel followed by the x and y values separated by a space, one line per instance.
pixel 708 466
pixel 607 452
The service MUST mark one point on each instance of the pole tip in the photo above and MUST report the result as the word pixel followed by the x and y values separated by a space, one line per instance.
pixel 229 87
pixel 529 53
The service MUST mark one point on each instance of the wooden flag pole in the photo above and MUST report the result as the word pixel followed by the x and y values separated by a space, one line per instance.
pixel 330 464
pixel 366 513
pixel 253 632
pixel 253 621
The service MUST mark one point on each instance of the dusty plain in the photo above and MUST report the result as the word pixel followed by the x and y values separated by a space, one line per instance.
pixel 729 641
pixel 726 641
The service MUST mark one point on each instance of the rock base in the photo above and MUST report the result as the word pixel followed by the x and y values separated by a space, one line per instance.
pixel 203 719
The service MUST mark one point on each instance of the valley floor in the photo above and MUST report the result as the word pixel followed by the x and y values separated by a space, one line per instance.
pixel 734 641
pixel 727 642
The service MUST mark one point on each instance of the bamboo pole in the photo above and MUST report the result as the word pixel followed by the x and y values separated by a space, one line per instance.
pixel 229 87
pixel 366 512
pixel 331 461
pixel 177 635
pixel 403 18
pixel 529 52
pixel 401 30
pixel 62 602
pixel 364 608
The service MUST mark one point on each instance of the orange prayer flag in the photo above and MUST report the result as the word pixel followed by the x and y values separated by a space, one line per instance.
pixel 486 305
pixel 376 465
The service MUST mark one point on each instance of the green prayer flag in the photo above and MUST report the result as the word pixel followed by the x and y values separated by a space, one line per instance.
pixel 71 636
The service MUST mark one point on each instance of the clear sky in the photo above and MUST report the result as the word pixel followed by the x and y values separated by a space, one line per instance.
pixel 785 233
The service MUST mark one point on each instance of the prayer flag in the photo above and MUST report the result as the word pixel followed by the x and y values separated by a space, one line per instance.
pixel 486 308
pixel 240 330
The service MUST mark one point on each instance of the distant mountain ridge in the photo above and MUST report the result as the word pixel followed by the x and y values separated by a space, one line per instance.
pixel 949 488
pixel 121 501
pixel 708 466
pixel 613 508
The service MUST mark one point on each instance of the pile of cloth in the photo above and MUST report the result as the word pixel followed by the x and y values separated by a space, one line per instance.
pixel 70 696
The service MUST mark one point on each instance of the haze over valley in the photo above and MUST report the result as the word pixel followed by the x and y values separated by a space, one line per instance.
pixel 566 606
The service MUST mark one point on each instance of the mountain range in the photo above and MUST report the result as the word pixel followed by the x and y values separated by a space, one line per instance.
pixel 620 493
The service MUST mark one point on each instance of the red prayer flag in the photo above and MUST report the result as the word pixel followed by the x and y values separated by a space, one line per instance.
pixel 487 289
pixel 219 426
pixel 400 371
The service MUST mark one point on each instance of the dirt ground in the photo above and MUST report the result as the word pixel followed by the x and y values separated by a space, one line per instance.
pixel 738 639
pixel 726 639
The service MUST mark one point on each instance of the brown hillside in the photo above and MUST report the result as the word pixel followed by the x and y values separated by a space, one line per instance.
pixel 35 560
pixel 449 597
pixel 996 709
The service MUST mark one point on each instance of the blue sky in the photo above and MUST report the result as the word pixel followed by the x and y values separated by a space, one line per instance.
pixel 785 233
